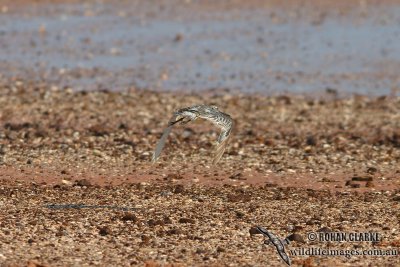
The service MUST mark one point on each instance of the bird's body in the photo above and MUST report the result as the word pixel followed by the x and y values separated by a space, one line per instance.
pixel 210 113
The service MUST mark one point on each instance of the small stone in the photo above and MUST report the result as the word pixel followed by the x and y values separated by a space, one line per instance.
pixel 254 231
pixel 311 141
pixel 326 180
pixel 396 198
pixel 326 146
pixel 324 230
pixel 352 184
pixel 187 133
pixel 361 179
pixel 308 149
pixel 237 176
pixel 129 216
pixel 296 237
pixel 66 182
pixel 174 231
pixel 186 220
pixel 372 170
pixel 83 182
pixel 219 249
pixel 178 37
pixel 42 29
pixel 239 214
pixel 331 91
pixel 104 231
pixel 297 228
pixel 115 51
pixel 179 189
pixel 369 184
pixel 200 251
pixel 167 220
pixel 145 239
pixel 153 222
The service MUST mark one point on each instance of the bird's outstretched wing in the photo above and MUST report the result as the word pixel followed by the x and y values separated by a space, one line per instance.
pixel 221 146
pixel 161 142
pixel 225 122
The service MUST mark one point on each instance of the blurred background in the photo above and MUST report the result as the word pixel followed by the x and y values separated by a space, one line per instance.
pixel 307 47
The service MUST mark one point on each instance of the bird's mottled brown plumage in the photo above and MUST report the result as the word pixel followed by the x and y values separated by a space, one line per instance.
pixel 210 113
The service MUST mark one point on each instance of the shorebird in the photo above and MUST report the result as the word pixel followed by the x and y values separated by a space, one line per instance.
pixel 210 113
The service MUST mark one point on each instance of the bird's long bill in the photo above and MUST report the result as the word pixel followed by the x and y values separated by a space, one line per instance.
pixel 171 123
pixel 161 143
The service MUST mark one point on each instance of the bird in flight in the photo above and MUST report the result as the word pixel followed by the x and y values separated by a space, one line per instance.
pixel 210 113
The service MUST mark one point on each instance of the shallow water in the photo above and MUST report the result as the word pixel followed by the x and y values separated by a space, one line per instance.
pixel 245 51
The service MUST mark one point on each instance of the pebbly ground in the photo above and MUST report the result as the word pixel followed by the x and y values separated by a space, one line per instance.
pixel 77 186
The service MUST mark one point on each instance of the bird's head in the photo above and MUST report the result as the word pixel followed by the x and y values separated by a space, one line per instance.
pixel 185 116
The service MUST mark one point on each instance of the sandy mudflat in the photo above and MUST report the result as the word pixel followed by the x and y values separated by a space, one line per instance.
pixel 294 165
pixel 185 226
pixel 87 88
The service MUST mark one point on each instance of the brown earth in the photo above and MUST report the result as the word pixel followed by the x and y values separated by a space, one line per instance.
pixel 50 136
pixel 185 226
pixel 294 165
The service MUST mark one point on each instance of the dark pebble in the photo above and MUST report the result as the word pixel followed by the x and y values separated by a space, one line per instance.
pixel 82 182
pixel 179 189
pixel 324 230
pixel 129 216
pixel 174 232
pixel 296 237
pixel 186 220
pixel 254 231
pixel 396 198
pixel 104 231
pixel 361 179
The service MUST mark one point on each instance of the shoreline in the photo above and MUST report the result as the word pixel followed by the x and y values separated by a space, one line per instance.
pixel 186 45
